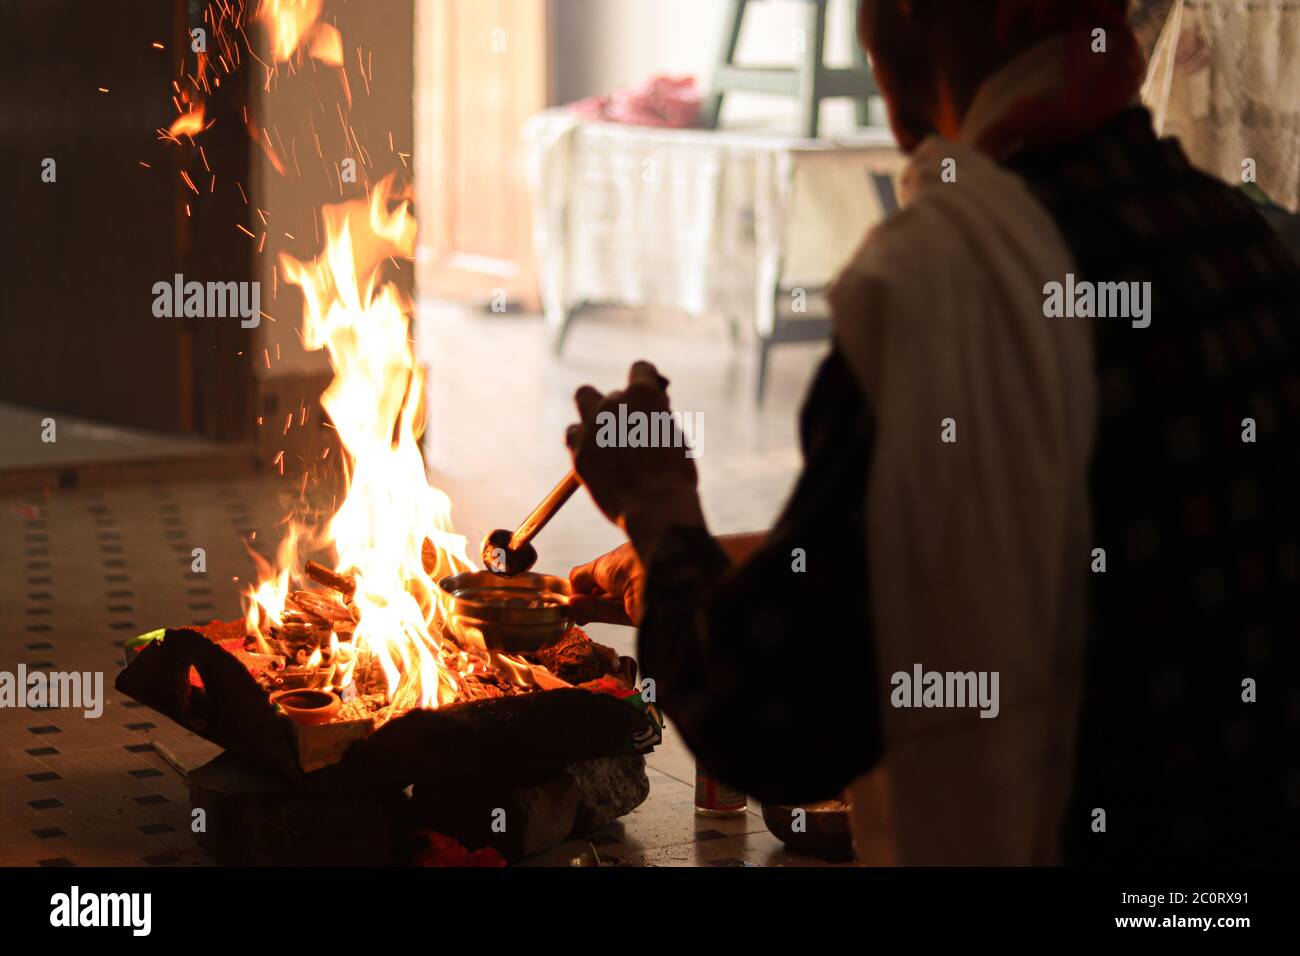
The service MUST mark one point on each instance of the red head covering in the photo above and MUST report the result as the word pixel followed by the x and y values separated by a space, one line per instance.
pixel 1097 84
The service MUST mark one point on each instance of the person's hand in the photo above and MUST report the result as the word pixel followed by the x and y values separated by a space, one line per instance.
pixel 642 489
pixel 616 575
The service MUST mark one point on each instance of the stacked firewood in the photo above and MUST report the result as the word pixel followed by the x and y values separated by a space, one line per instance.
pixel 312 646
pixel 302 638
pixel 311 616
pixel 489 684
pixel 298 651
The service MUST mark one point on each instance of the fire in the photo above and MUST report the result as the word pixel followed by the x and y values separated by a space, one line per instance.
pixel 327 45
pixel 188 124
pixel 289 22
pixel 391 538
pixel 266 600
pixel 295 25
pixel 376 403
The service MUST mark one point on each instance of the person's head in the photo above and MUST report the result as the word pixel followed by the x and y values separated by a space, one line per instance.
pixel 930 56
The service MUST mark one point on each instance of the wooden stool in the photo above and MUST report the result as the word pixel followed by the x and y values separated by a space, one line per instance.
pixel 811 81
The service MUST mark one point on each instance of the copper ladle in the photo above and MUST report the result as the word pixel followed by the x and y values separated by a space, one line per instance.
pixel 507 553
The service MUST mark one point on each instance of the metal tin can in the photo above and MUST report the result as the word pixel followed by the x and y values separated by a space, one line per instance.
pixel 713 798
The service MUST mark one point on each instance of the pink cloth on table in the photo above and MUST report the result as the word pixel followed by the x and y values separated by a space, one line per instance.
pixel 659 101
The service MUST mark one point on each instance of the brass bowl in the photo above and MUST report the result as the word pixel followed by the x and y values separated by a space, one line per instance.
pixel 514 615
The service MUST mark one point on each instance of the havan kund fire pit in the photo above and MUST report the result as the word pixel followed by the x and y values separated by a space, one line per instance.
pixel 556 749
pixel 324 692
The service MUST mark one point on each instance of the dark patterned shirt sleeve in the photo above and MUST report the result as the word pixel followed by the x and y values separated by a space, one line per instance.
pixel 767 668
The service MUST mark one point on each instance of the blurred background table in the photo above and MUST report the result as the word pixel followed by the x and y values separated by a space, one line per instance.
pixel 751 226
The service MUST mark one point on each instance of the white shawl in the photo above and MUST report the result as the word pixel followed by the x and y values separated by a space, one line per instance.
pixel 979 550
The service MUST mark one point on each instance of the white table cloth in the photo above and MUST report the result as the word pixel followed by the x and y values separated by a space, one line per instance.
pixel 702 221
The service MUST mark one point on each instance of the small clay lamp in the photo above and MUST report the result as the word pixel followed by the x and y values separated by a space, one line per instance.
pixel 305 706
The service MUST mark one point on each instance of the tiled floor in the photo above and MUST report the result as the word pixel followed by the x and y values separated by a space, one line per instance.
pixel 81 571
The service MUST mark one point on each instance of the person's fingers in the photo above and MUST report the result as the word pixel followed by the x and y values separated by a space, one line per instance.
pixel 571 436
pixel 586 579
pixel 632 606
pixel 644 373
pixel 611 573
pixel 587 400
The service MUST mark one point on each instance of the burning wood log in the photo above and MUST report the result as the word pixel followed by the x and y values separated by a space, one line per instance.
pixel 477 690
pixel 277 646
pixel 260 663
pixel 368 674
pixel 321 608
pixel 342 583
pixel 298 676
pixel 302 634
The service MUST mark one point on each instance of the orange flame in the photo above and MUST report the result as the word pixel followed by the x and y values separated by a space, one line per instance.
pixel 265 601
pixel 327 45
pixel 376 403
pixel 188 124
pixel 289 21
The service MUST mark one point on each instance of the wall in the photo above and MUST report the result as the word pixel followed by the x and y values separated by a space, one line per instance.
pixel 80 252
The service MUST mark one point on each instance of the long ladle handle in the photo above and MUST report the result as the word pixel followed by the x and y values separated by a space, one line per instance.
pixel 545 511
